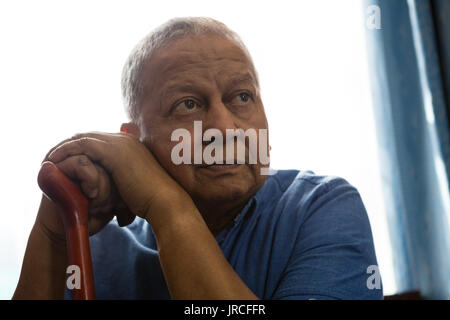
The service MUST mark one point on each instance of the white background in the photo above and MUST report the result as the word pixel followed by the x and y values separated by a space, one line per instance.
pixel 60 65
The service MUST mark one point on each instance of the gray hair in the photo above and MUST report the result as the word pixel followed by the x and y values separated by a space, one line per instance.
pixel 132 82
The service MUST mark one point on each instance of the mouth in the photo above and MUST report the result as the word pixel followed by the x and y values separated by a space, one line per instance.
pixel 220 168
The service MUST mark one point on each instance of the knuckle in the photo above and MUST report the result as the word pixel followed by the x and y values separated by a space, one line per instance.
pixel 77 136
pixel 83 160
pixel 83 141
pixel 54 148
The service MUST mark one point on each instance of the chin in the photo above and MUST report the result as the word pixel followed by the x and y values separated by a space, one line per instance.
pixel 230 193
pixel 224 191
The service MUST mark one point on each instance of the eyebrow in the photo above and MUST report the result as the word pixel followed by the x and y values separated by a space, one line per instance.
pixel 178 87
pixel 231 82
pixel 236 80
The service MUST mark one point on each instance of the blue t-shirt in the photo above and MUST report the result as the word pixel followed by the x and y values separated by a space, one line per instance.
pixel 301 236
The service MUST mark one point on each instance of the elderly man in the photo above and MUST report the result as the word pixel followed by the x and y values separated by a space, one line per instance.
pixel 196 229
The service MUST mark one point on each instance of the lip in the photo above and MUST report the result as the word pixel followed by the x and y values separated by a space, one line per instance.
pixel 221 168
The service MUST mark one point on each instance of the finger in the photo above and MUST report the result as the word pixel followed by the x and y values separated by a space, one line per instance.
pixel 130 128
pixel 94 134
pixel 106 137
pixel 82 169
pixel 124 215
pixel 104 200
pixel 96 223
pixel 95 149
pixel 51 150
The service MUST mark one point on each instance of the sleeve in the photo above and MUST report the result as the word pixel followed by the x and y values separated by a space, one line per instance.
pixel 333 256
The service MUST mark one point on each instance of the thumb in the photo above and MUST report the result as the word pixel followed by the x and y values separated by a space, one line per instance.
pixel 124 215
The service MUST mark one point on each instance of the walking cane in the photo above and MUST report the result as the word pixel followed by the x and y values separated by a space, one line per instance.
pixel 73 207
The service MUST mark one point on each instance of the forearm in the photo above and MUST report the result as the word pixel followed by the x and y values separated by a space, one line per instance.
pixel 192 262
pixel 44 264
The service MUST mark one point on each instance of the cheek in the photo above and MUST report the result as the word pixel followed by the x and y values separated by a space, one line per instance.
pixel 162 150
pixel 257 119
pixel 261 119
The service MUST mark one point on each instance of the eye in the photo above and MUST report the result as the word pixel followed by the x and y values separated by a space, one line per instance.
pixel 242 98
pixel 186 106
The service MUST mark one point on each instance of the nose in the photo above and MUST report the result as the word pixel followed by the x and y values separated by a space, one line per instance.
pixel 219 117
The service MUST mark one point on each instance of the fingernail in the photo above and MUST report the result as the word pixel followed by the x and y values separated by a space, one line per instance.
pixel 93 193
pixel 123 129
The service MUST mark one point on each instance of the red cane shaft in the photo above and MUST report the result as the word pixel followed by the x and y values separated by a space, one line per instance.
pixel 74 214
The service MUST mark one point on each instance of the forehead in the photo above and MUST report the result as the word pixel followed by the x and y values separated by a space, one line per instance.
pixel 206 57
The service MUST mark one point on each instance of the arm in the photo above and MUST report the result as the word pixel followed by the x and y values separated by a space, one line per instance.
pixel 44 264
pixel 45 261
pixel 192 262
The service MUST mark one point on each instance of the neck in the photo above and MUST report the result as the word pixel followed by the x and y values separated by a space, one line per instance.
pixel 218 215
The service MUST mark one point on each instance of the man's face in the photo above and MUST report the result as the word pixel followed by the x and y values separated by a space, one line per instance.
pixel 210 79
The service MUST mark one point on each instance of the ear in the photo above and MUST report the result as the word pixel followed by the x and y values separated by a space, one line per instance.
pixel 131 128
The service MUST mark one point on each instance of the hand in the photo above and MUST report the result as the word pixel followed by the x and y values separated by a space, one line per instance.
pixel 97 186
pixel 140 181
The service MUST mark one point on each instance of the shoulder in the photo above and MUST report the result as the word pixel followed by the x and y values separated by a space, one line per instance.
pixel 303 192
pixel 326 231
pixel 303 210
pixel 306 183
pixel 311 201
